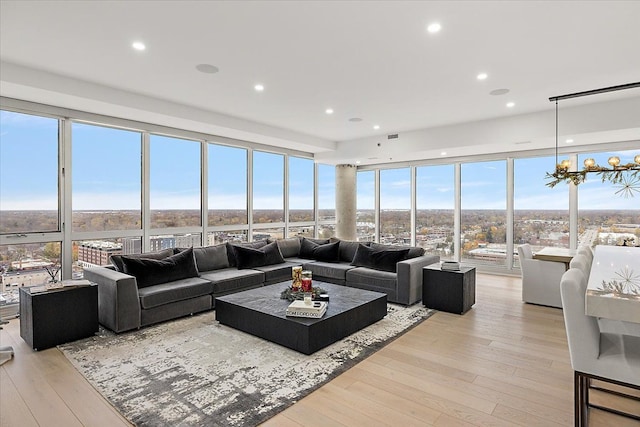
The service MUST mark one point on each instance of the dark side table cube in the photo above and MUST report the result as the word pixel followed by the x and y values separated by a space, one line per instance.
pixel 451 291
pixel 58 316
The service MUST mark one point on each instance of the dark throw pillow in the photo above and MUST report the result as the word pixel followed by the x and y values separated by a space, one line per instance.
pixel 384 260
pixel 252 257
pixel 327 252
pixel 306 248
pixel 211 257
pixel 116 260
pixel 149 272
pixel 231 249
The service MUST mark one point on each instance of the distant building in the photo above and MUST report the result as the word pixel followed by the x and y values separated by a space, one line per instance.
pixel 97 252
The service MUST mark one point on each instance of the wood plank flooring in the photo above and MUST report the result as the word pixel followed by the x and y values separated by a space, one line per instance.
pixel 504 363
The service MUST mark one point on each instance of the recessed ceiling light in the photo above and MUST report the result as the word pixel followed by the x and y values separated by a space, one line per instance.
pixel 259 87
pixel 207 68
pixel 357 162
pixel 444 153
pixel 569 141
pixel 376 127
pixel 355 119
pixel 434 27
pixel 496 92
pixel 138 46
pixel 329 111
pixel 511 104
pixel 482 76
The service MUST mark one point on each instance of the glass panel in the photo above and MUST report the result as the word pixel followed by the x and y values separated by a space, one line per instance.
pixel 268 187
pixel 395 206
pixel 300 189
pixel 268 233
pixel 227 185
pixel 435 203
pixel 236 236
pixel 28 173
pixel 165 241
pixel 325 231
pixel 28 264
pixel 304 231
pixel 484 212
pixel 604 217
pixel 326 193
pixel 541 214
pixel 365 203
pixel 174 182
pixel 106 198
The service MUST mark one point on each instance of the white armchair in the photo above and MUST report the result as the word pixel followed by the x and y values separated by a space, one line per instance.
pixel 540 279
pixel 607 357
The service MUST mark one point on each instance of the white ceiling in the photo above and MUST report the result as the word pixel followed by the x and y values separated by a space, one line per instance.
pixel 373 60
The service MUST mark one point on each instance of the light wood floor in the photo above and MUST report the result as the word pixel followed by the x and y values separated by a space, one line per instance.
pixel 504 363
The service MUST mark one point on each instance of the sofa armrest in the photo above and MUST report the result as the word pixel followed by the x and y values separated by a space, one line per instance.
pixel 118 301
pixel 410 278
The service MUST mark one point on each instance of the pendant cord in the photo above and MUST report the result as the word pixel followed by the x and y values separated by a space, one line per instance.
pixel 556 133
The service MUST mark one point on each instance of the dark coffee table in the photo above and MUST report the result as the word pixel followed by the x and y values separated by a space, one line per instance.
pixel 262 313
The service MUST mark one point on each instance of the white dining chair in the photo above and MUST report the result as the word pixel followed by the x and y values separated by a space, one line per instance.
pixel 587 251
pixel 582 262
pixel 540 279
pixel 607 357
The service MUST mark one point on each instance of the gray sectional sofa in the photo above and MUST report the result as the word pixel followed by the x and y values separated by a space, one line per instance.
pixel 139 290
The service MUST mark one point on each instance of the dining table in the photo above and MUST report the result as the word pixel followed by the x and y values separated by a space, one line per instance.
pixel 557 254
pixel 613 289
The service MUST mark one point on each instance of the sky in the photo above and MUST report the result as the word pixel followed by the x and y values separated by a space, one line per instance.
pixel 107 176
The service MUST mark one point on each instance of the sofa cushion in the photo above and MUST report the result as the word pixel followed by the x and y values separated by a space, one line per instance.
pixel 289 247
pixel 384 260
pixel 277 272
pixel 116 260
pixel 369 278
pixel 348 248
pixel 328 270
pixel 211 257
pixel 165 293
pixel 327 252
pixel 149 272
pixel 414 251
pixel 231 249
pixel 231 279
pixel 266 255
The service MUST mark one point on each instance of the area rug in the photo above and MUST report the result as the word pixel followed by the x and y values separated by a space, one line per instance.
pixel 194 371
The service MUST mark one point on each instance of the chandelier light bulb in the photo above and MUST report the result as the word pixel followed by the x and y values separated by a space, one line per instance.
pixel 565 164
pixel 589 163
pixel 614 161
pixel 637 159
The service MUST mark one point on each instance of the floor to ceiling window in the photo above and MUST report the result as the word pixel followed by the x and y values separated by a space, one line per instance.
pixel 30 226
pixel 483 214
pixel 174 190
pixel 366 205
pixel 395 206
pixel 268 193
pixel 301 197
pixel 435 208
pixel 326 201
pixel 227 188
pixel 541 214
pixel 607 213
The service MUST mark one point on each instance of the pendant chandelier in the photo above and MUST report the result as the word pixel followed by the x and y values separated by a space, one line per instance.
pixel 627 175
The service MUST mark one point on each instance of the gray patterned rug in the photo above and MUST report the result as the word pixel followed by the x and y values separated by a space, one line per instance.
pixel 194 371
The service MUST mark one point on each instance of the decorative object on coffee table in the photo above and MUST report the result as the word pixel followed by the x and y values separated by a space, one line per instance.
pixel 453 291
pixel 291 294
pixel 296 277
